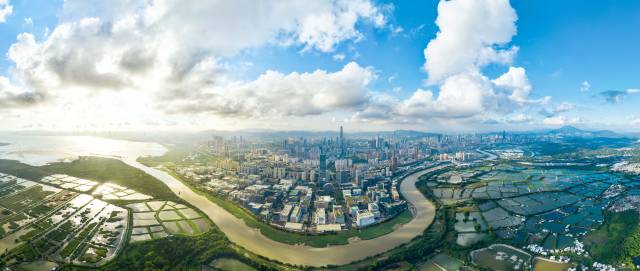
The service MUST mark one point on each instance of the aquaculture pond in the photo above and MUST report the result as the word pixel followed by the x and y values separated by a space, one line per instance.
pixel 537 208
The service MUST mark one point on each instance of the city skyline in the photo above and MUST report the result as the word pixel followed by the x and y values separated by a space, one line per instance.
pixel 366 65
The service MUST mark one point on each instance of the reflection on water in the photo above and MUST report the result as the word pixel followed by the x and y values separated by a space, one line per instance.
pixel 40 150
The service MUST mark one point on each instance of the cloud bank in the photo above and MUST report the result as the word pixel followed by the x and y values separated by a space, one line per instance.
pixel 176 58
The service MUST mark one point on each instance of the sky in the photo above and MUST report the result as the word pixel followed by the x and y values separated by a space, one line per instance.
pixel 443 66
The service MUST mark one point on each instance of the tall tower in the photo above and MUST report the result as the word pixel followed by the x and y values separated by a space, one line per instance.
pixel 341 141
pixel 323 165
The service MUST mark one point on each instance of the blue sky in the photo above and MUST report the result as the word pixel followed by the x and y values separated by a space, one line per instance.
pixel 562 45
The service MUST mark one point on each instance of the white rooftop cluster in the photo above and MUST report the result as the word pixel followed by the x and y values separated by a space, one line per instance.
pixel 626 166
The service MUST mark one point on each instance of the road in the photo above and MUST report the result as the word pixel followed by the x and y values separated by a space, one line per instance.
pixel 251 239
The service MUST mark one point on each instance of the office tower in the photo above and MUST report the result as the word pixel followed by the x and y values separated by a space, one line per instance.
pixel 323 166
pixel 341 141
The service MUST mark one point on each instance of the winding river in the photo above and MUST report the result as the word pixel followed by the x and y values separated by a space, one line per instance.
pixel 39 150
pixel 251 239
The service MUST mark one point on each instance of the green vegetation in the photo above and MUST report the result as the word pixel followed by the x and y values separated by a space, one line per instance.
pixel 77 240
pixel 619 228
pixel 171 157
pixel 176 253
pixel 413 252
pixel 172 253
pixel 23 199
pixel 231 264
pixel 95 169
pixel 315 240
pixel 546 265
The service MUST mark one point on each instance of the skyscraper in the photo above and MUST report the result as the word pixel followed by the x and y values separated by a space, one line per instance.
pixel 341 141
pixel 323 166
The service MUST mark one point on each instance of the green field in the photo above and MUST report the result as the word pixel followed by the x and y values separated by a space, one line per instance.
pixel 315 240
pixel 95 169
pixel 546 265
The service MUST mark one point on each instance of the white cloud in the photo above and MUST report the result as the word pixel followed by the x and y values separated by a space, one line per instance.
pixel 461 96
pixel 170 48
pixel 28 21
pixel 395 30
pixel 277 94
pixel 469 37
pixel 585 86
pixel 472 34
pixel 516 80
pixel 339 57
pixel 5 10
pixel 564 107
pixel 323 30
pixel 633 90
pixel 520 118
pixel 560 120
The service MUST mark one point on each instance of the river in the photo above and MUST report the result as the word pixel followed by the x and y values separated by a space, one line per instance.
pixel 251 239
pixel 234 228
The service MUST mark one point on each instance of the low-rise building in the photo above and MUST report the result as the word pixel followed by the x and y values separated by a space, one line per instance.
pixel 296 215
pixel 329 228
pixel 286 212
pixel 294 226
pixel 365 218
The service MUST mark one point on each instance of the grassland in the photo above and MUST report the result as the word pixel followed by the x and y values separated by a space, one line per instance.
pixel 546 265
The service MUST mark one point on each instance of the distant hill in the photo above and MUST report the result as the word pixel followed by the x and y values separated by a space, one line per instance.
pixel 570 131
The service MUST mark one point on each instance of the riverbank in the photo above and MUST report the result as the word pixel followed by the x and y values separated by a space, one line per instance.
pixel 313 240
pixel 253 240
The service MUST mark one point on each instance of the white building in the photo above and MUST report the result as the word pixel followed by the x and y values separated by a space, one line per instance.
pixel 373 208
pixel 321 216
pixel 323 202
pixel 365 218
pixel 296 215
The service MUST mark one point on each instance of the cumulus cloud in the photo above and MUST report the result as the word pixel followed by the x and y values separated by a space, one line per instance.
pixel 12 96
pixel 617 96
pixel 176 54
pixel 174 48
pixel 277 94
pixel 469 37
pixel 5 10
pixel 465 95
pixel 472 35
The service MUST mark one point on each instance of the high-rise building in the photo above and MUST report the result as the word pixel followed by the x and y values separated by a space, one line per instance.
pixel 323 166
pixel 343 176
pixel 341 141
